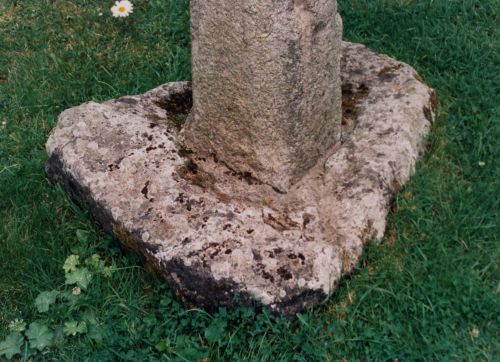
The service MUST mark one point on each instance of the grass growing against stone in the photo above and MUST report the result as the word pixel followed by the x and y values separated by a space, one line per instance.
pixel 429 291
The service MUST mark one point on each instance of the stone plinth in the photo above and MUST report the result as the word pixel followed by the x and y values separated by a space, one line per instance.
pixel 219 237
pixel 266 85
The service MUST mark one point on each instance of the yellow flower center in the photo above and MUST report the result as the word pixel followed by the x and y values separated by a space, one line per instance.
pixel 122 9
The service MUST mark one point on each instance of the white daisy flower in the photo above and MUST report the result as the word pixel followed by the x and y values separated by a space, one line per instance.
pixel 122 9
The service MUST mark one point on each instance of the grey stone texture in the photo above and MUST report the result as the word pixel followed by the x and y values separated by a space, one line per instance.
pixel 266 85
pixel 216 234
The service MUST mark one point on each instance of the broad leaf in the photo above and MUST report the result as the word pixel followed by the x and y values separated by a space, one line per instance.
pixel 11 345
pixel 39 336
pixel 45 300
pixel 81 277
pixel 73 328
pixel 71 263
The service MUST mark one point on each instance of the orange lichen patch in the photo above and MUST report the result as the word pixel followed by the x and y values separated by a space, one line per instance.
pixel 128 241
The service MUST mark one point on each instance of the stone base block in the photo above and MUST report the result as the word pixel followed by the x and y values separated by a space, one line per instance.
pixel 222 238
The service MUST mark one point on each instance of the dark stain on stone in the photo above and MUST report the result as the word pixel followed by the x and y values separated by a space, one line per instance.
pixel 145 189
pixel 306 219
pixel 292 256
pixel 184 152
pixel 247 177
pixel 115 165
pixel 387 77
pixel 249 231
pixel 388 131
pixel 191 172
pixel 256 255
pixel 191 166
pixel 351 98
pixel 154 119
pixel 389 70
pixel 266 275
pixel 284 273
pixel 112 167
pixel 243 176
pixel 150 148
pixel 228 251
pixel 197 287
pixel 280 223
pixel 189 204
pixel 363 87
pixel 178 106
pixel 278 251
pixel 227 226
pixel 180 198
pixel 319 27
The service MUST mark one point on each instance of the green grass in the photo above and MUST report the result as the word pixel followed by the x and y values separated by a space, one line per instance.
pixel 429 291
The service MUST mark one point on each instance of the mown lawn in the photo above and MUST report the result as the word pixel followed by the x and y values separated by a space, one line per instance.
pixel 429 291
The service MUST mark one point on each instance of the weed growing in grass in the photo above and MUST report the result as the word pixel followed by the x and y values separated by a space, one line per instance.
pixel 69 301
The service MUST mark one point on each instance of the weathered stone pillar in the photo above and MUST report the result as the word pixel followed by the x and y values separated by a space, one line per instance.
pixel 266 85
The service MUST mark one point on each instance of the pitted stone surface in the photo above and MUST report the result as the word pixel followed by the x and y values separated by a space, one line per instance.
pixel 267 97
pixel 214 233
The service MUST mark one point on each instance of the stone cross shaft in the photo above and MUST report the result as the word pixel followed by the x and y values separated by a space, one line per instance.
pixel 266 85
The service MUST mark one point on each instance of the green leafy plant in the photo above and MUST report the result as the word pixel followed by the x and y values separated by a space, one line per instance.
pixel 41 335
pixel 80 277
pixel 74 328
pixel 11 345
pixel 45 300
